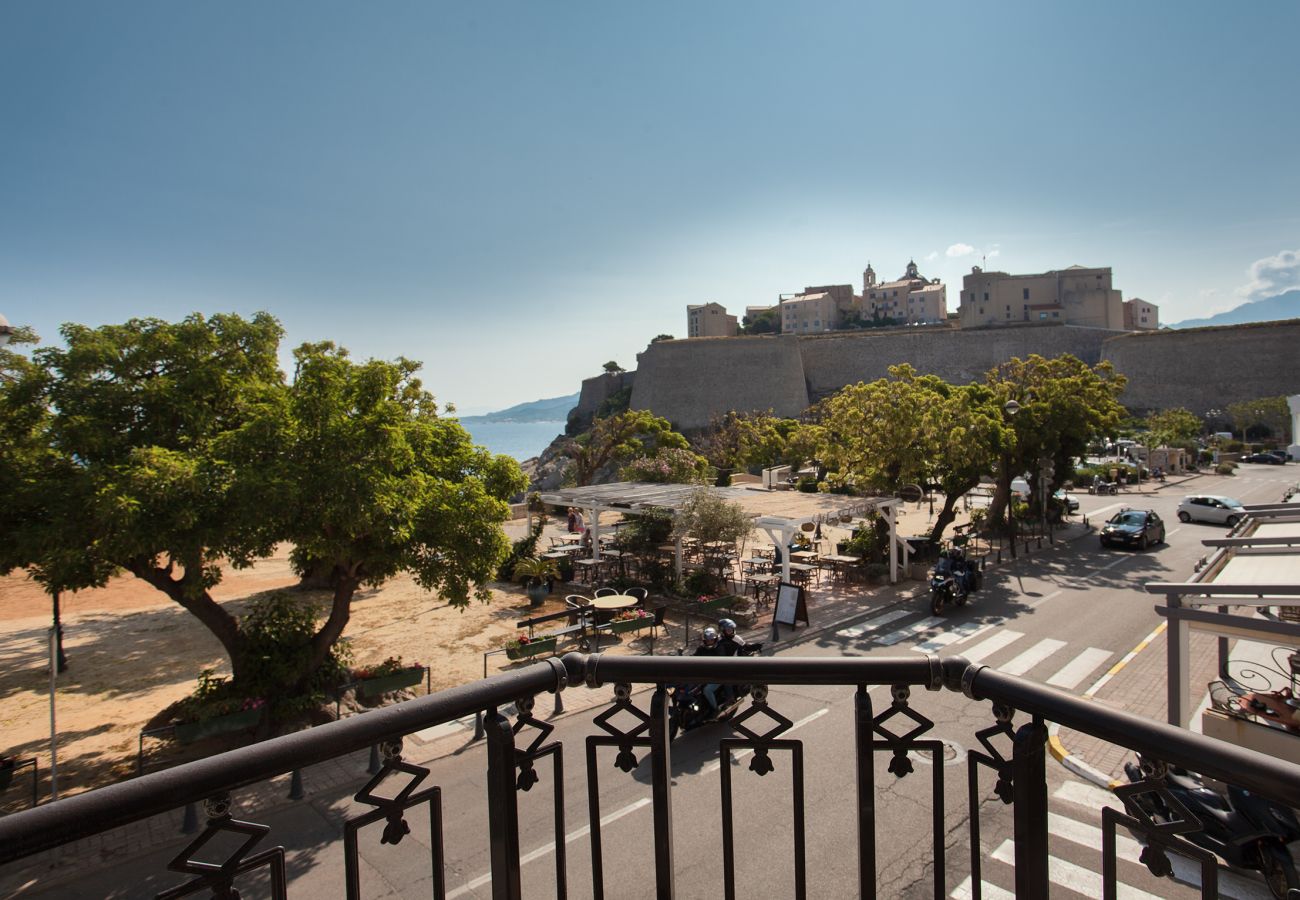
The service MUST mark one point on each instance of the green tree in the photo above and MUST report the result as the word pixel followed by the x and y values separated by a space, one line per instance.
pixel 746 441
pixel 707 518
pixel 170 449
pixel 766 322
pixel 1063 403
pixel 1172 428
pixel 661 337
pixel 669 465
pixel 1262 418
pixel 612 368
pixel 617 439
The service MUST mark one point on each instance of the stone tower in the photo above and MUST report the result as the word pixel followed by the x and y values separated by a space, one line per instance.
pixel 868 278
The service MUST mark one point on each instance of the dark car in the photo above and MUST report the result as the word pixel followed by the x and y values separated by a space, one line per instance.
pixel 1267 458
pixel 1280 454
pixel 1133 528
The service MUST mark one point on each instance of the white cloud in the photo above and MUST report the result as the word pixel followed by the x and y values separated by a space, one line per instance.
pixel 992 253
pixel 957 250
pixel 932 255
pixel 1271 276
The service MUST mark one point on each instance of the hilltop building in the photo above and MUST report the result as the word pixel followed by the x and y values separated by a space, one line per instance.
pixel 709 320
pixel 1073 296
pixel 912 298
pixel 1140 315
pixel 809 313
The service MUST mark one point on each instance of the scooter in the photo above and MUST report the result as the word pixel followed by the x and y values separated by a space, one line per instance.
pixel 1103 487
pixel 946 590
pixel 688 708
pixel 1245 830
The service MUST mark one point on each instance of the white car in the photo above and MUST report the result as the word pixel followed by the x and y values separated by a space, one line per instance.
pixel 1210 508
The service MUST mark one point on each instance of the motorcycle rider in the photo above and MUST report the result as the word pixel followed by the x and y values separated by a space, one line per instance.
pixel 731 642
pixel 711 645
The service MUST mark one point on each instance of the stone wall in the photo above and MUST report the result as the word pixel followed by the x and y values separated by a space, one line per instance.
pixel 688 382
pixel 595 391
pixel 1207 368
pixel 957 356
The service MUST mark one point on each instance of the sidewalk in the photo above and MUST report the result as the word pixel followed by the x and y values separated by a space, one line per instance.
pixel 1135 684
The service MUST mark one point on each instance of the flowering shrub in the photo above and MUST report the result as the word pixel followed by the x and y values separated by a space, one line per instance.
pixel 214 696
pixel 390 666
pixel 669 465
pixel 518 641
pixel 628 615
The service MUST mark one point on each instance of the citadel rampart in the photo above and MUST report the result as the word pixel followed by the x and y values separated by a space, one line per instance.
pixel 690 381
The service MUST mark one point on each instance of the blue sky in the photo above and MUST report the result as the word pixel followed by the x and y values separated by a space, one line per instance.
pixel 515 193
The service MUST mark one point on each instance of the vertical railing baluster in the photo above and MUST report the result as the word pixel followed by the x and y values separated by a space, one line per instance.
pixel 661 775
pixel 862 717
pixel 1028 760
pixel 503 808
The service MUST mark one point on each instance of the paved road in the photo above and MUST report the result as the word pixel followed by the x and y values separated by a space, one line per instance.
pixel 1062 616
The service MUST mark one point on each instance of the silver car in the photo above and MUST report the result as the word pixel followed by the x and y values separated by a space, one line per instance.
pixel 1210 508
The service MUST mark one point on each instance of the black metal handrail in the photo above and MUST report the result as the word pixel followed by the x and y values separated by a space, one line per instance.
pixel 1021 777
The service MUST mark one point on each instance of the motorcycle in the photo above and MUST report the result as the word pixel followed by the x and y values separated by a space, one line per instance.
pixel 944 591
pixel 1103 487
pixel 688 708
pixel 1245 830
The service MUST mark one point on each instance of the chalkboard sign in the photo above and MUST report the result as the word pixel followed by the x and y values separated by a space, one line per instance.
pixel 791 605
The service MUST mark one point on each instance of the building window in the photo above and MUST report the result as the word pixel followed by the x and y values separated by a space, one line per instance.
pixel 986 297
pixel 981 310
pixel 1056 315
pixel 1008 310
pixel 1026 293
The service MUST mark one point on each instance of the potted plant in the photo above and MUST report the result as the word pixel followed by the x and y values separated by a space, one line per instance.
pixel 522 646
pixel 536 573
pixel 630 620
pixel 390 675
pixel 214 708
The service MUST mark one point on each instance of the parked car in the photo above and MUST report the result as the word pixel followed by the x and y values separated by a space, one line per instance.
pixel 1210 508
pixel 1133 528
pixel 1280 454
pixel 1071 504
pixel 1266 458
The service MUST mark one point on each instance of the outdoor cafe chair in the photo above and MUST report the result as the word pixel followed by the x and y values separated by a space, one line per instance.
pixel 605 591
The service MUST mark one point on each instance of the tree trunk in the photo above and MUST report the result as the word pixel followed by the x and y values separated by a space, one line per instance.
pixel 946 517
pixel 199 603
pixel 340 611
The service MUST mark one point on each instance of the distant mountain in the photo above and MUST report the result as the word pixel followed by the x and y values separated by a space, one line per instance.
pixel 555 409
pixel 1270 309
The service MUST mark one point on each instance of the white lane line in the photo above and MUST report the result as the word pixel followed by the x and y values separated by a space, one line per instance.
pixel 1079 668
pixel 741 754
pixel 1104 509
pixel 1032 657
pixel 871 625
pixel 991 645
pixel 1068 875
pixel 1090 836
pixel 550 848
pixel 910 631
pixel 988 890
pixel 1085 795
pixel 1170 534
pixel 965 631
pixel 1044 599
pixel 1115 562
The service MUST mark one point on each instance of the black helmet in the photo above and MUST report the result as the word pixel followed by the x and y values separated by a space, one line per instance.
pixel 710 636
pixel 728 626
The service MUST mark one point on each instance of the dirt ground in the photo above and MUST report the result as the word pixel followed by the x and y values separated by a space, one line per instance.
pixel 131 652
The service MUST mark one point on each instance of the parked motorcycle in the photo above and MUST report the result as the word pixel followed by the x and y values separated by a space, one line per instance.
pixel 688 708
pixel 1103 487
pixel 955 585
pixel 1245 830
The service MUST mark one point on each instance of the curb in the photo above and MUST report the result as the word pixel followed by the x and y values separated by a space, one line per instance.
pixel 1072 761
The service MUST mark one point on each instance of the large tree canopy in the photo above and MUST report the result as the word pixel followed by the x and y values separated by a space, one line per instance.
pixel 618 439
pixel 182 448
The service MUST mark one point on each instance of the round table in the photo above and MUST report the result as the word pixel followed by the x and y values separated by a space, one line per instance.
pixel 614 601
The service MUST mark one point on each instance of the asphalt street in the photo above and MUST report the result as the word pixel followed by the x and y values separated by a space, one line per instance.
pixel 1062 616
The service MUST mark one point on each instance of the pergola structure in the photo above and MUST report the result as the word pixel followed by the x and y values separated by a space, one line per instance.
pixel 778 513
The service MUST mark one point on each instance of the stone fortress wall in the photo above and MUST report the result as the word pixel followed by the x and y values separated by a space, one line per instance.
pixel 690 381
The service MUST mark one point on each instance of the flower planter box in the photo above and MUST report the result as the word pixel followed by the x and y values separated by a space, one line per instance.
pixel 384 684
pixel 625 625
pixel 6 774
pixel 189 732
pixel 532 648
pixel 717 603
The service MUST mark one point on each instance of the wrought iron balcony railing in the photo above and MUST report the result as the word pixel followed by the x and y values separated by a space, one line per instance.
pixel 513 762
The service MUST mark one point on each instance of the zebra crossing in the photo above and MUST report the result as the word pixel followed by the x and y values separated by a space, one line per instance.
pixel 1074 858
pixel 979 640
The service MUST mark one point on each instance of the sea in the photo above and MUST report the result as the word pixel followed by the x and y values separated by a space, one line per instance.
pixel 521 440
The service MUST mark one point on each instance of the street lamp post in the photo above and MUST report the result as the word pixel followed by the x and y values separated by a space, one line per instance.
pixel 1009 410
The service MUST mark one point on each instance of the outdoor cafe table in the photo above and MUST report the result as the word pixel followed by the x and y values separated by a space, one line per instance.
pixel 840 562
pixel 614 601
pixel 804 555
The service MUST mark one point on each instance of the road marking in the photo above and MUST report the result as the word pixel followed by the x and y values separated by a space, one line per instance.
pixel 1069 876
pixel 1105 509
pixel 550 848
pixel 965 631
pixel 873 624
pixel 1079 668
pixel 1032 657
pixel 1169 534
pixel 1043 599
pixel 1100 682
pixel 992 645
pixel 988 890
pixel 910 631
pixel 1115 562
pixel 1085 795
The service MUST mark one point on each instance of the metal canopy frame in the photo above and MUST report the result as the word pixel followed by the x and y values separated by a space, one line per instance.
pixel 631 497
